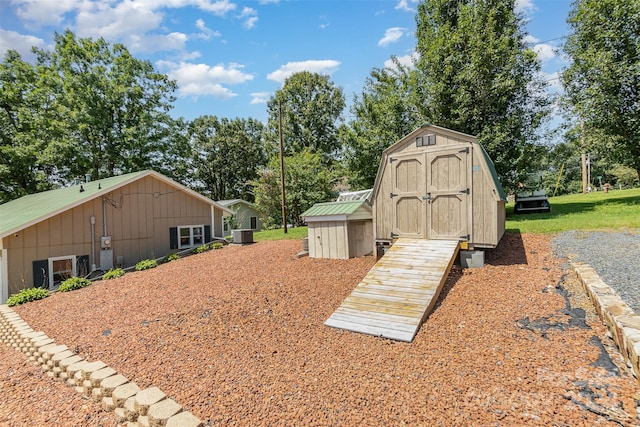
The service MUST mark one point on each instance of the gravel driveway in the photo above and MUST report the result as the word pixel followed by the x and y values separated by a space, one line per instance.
pixel 236 336
pixel 614 255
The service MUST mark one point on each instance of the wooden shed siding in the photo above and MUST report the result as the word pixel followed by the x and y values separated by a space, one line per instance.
pixel 139 227
pixel 328 240
pixel 360 238
pixel 484 216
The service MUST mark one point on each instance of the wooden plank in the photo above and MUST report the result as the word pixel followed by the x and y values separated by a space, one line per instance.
pixel 391 318
pixel 399 291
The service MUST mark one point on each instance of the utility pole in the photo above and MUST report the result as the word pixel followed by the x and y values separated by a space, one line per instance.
pixel 583 158
pixel 284 208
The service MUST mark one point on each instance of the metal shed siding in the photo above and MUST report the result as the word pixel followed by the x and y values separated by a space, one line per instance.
pixel 484 214
pixel 138 224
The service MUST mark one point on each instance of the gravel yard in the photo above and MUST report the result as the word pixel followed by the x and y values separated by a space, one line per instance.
pixel 236 336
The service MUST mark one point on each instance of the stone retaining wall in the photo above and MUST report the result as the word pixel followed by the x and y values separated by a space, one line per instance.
pixel 94 380
pixel 618 317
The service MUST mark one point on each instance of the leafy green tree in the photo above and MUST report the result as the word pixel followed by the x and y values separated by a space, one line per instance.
pixel 23 133
pixel 602 83
pixel 475 74
pixel 227 155
pixel 310 106
pixel 117 110
pixel 384 113
pixel 307 181
pixel 85 107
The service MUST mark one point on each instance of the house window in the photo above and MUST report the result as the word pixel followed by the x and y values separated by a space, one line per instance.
pixel 190 236
pixel 254 223
pixel 61 269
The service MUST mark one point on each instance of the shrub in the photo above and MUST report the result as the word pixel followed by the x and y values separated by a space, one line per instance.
pixel 146 264
pixel 171 257
pixel 74 283
pixel 200 249
pixel 216 245
pixel 26 295
pixel 114 273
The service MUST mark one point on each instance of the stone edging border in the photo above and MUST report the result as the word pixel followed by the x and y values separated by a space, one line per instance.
pixel 622 322
pixel 94 380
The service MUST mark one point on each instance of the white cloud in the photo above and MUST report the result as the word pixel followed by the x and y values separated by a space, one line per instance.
pixel 326 66
pixel 524 6
pixel 117 22
pixel 44 12
pixel 260 97
pixel 205 33
pixel 150 43
pixel 545 52
pixel 203 79
pixel 20 43
pixel 405 60
pixel 251 17
pixel 392 35
pixel 404 5
pixel 268 1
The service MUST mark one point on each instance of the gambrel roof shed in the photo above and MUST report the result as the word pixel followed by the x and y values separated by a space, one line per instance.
pixel 436 183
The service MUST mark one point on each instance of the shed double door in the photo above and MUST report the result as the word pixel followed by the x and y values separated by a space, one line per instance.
pixel 431 194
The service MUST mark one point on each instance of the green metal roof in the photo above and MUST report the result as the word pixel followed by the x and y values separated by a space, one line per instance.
pixel 28 210
pixel 333 208
pixel 21 213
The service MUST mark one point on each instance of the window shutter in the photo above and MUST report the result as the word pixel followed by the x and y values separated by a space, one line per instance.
pixel 82 266
pixel 41 273
pixel 207 233
pixel 173 237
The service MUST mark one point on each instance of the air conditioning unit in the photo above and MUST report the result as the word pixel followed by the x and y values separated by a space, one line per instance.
pixel 242 237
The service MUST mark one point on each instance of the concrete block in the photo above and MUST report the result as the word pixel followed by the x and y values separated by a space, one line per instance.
pixel 123 392
pixel 65 363
pixel 98 376
pixel 472 259
pixel 107 404
pixel 56 358
pixel 130 409
pixel 109 384
pixel 147 397
pixel 160 412
pixel 184 419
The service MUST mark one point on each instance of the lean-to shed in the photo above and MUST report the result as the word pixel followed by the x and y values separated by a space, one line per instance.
pixel 437 183
pixel 339 230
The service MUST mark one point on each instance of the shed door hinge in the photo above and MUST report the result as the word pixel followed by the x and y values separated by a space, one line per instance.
pixel 465 237
pixel 391 160
pixel 464 150
pixel 393 235
pixel 466 191
pixel 393 195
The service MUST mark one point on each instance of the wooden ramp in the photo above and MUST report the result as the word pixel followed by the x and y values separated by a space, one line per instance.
pixel 399 291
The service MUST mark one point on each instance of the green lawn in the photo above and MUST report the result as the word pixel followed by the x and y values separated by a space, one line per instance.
pixel 278 234
pixel 594 211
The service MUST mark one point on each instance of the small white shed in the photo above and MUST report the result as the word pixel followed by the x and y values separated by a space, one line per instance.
pixel 340 230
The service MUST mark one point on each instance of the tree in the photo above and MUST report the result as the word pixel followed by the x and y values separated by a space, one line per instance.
pixel 476 75
pixel 310 106
pixel 85 108
pixel 307 181
pixel 227 155
pixel 23 133
pixel 384 113
pixel 602 83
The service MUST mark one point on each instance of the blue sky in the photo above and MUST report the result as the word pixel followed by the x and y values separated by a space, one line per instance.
pixel 228 57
